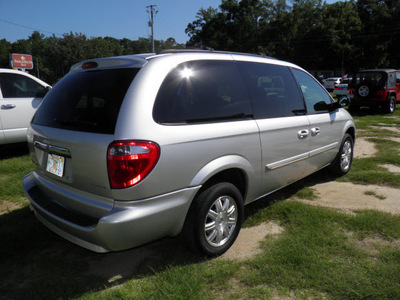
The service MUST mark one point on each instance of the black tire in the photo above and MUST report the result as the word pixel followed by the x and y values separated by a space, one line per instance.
pixel 215 219
pixel 343 160
pixel 390 105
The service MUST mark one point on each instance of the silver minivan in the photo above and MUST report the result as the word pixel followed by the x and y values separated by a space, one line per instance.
pixel 135 148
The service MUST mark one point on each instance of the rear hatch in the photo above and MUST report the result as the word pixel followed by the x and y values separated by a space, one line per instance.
pixel 72 129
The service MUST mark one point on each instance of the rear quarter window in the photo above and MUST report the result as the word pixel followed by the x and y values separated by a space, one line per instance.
pixel 202 91
pixel 86 101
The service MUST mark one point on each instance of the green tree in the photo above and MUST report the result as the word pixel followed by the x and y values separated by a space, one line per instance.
pixel 5 50
pixel 380 31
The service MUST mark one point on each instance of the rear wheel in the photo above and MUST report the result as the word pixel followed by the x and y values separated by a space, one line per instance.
pixel 215 219
pixel 342 163
pixel 390 104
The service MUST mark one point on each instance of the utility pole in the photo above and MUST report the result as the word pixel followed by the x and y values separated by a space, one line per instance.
pixel 152 9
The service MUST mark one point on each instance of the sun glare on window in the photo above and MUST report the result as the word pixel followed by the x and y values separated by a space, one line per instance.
pixel 186 73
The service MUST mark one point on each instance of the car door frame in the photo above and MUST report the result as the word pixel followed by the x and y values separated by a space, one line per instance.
pixel 325 127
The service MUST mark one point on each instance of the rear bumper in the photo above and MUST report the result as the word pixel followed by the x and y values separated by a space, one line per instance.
pixel 366 101
pixel 126 225
pixel 340 92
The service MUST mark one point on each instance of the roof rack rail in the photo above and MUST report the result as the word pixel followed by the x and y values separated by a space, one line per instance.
pixel 183 50
pixel 209 50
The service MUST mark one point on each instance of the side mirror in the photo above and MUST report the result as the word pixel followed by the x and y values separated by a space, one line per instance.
pixel 321 106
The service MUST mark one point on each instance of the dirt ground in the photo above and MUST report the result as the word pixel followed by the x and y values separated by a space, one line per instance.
pixel 342 196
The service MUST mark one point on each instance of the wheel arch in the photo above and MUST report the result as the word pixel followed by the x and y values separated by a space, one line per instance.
pixel 234 176
pixel 352 131
pixel 232 168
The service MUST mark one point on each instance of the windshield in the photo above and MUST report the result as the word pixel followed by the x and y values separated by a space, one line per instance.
pixel 86 101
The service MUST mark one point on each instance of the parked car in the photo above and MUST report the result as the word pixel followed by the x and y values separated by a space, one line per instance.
pixel 132 149
pixel 331 82
pixel 341 89
pixel 376 88
pixel 20 96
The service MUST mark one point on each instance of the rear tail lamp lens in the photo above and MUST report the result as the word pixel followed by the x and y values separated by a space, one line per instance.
pixel 130 161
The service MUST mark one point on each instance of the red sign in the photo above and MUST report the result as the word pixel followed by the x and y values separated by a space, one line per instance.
pixel 21 61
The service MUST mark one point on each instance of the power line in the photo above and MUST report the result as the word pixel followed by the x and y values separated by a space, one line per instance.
pixel 28 27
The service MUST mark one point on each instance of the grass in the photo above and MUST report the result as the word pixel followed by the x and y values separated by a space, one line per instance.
pixel 15 164
pixel 368 170
pixel 373 193
pixel 321 253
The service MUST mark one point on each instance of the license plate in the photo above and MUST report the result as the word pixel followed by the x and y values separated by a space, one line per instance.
pixel 55 165
pixel 351 96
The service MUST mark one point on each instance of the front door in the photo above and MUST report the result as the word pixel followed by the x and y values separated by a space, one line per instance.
pixel 281 118
pixel 325 127
pixel 18 103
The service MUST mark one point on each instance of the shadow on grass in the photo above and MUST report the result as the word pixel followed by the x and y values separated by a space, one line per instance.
pixel 38 264
pixel 13 150
pixel 321 176
pixel 369 111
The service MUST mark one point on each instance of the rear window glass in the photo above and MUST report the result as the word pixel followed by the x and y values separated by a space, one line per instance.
pixel 202 91
pixel 370 78
pixel 86 101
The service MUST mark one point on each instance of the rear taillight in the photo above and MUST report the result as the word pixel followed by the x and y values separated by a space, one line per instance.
pixel 130 161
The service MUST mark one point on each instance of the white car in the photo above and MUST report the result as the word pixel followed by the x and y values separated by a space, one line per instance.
pixel 20 96
pixel 331 82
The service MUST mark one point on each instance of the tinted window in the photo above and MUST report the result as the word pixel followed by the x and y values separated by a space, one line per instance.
pixel 20 86
pixel 372 79
pixel 86 101
pixel 313 92
pixel 202 91
pixel 273 90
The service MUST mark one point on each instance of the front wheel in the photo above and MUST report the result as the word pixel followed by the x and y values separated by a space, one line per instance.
pixel 342 163
pixel 215 219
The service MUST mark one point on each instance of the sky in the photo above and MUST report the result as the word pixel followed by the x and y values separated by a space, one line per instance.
pixel 99 18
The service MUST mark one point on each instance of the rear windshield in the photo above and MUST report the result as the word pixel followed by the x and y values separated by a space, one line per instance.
pixel 86 101
pixel 371 78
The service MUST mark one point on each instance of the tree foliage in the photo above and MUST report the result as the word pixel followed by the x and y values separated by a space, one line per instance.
pixel 53 56
pixel 344 36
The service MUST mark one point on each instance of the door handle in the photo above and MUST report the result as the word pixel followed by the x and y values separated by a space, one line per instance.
pixel 315 131
pixel 7 106
pixel 302 134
